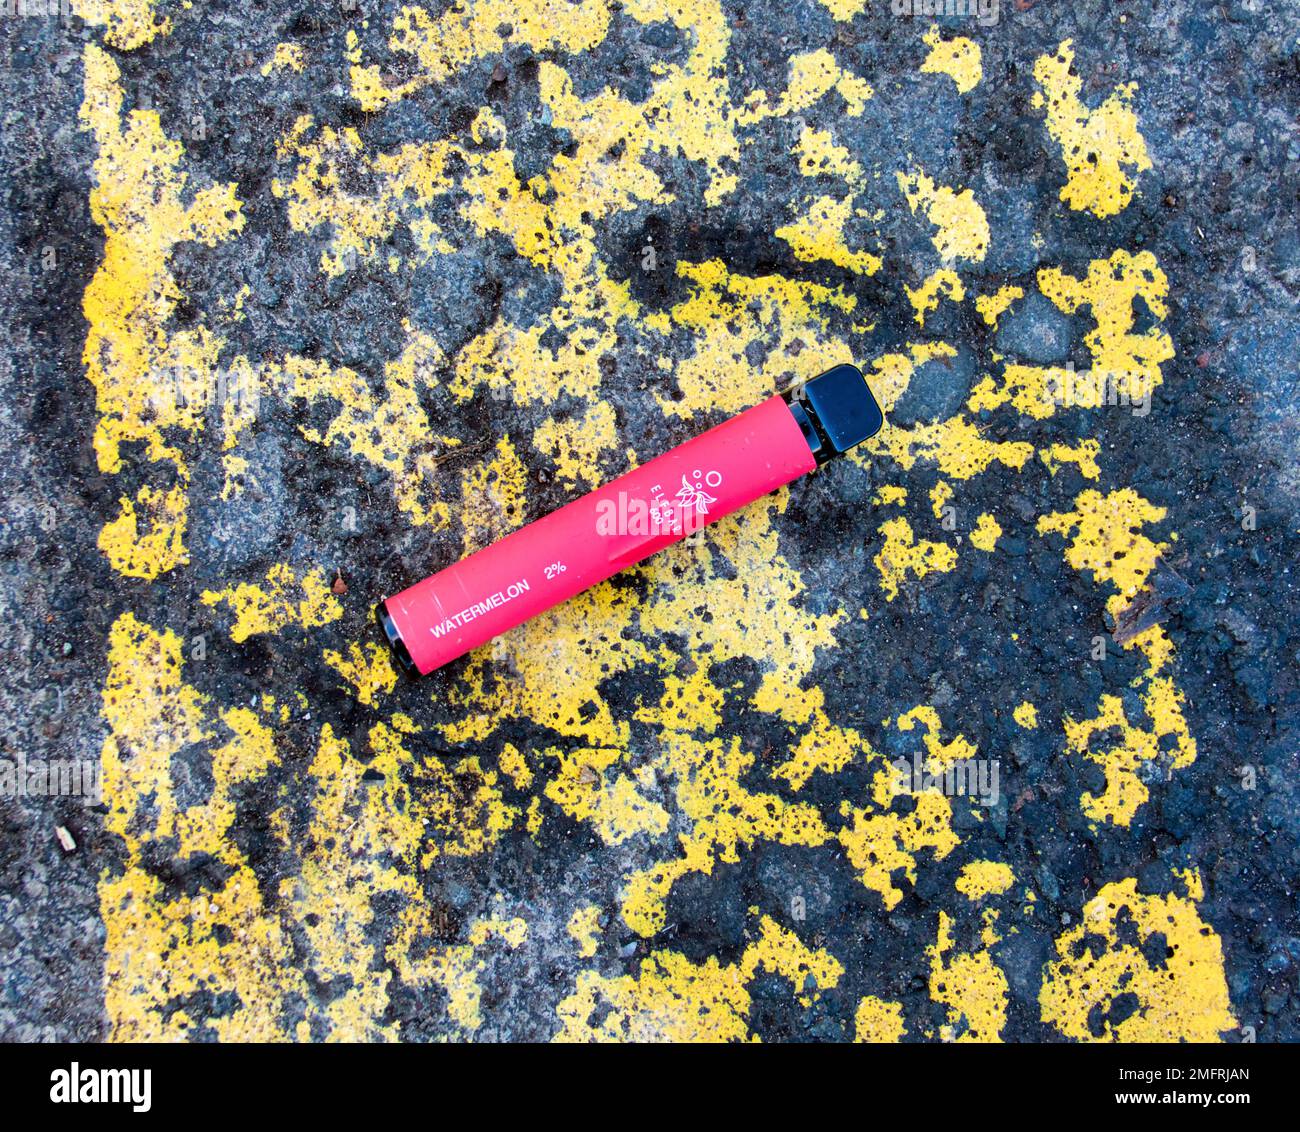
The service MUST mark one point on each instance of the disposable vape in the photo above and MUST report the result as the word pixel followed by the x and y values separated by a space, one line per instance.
pixel 629 519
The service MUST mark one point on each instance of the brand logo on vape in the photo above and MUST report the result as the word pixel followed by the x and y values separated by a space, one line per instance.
pixel 692 493
pixel 102 1086
pixel 683 513
pixel 512 591
pixel 977 778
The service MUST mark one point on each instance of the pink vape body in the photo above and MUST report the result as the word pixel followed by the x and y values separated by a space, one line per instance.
pixel 595 537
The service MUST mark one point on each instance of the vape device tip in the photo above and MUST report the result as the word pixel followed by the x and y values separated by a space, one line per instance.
pixel 400 650
pixel 838 408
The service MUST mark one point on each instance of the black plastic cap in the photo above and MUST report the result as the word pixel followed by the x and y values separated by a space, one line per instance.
pixel 843 410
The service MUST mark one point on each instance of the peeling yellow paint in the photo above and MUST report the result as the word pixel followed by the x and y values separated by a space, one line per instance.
pixel 159 948
pixel 971 985
pixel 148 536
pixel 878 844
pixel 940 284
pixel 150 385
pixel 876 1020
pixel 583 928
pixel 724 816
pixel 824 748
pixel 820 156
pixel 956 750
pixel 844 10
pixel 1102 149
pixel 993 307
pixel 903 554
pixel 1026 714
pixel 494 498
pixel 1104 537
pixel 576 445
pixel 1136 752
pixel 811 76
pixel 287 56
pixel 673 999
pixel 1181 996
pixel 1126 366
pixel 455 968
pixel 388 428
pixel 1083 455
pixel 726 313
pixel 956 446
pixel 515 766
pixel 940 496
pixel 984 878
pixel 986 533
pixel 368 669
pixel 363 830
pixel 443 45
pixel 127 24
pixel 958 58
pixel 818 234
pixel 285 599
pixel 591 787
pixel 962 229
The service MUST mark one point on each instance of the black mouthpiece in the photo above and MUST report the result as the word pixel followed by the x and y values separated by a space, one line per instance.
pixel 836 410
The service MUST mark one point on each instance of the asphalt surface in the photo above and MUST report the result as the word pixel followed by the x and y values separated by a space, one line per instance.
pixel 303 302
